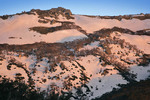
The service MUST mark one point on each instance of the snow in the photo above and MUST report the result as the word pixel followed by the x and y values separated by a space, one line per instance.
pixel 108 82
pixel 130 56
pixel 98 83
pixel 106 85
pixel 66 35
pixel 18 28
pixel 61 18
pixel 94 24
pixel 140 41
pixel 22 22
pixel 90 63
pixel 142 72
pixel 90 46
pixel 11 73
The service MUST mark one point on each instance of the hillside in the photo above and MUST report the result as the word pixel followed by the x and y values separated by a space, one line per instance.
pixel 76 57
pixel 136 91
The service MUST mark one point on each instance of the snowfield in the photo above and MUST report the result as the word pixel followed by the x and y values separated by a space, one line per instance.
pixel 90 66
pixel 141 72
pixel 140 41
pixel 94 24
pixel 98 83
pixel 15 30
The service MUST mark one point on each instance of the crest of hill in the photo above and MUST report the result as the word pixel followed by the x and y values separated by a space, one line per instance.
pixel 54 13
pixel 140 16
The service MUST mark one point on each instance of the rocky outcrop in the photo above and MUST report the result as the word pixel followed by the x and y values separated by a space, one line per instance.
pixel 54 12
pixel 4 17
pixel 143 32
pixel 145 60
pixel 65 25
pixel 127 17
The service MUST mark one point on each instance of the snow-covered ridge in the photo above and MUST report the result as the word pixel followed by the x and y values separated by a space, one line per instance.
pixel 94 24
pixel 56 54
pixel 99 65
pixel 15 30
pixel 60 79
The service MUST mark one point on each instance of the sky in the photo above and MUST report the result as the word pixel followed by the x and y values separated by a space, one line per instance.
pixel 85 7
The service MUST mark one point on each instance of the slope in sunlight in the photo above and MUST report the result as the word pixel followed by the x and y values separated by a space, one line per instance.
pixel 76 57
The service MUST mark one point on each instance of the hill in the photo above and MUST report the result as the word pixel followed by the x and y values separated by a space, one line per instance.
pixel 76 57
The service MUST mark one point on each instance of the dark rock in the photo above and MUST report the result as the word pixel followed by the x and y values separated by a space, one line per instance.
pixel 54 12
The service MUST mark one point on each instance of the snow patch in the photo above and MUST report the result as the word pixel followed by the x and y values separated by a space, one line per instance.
pixel 94 24
pixel 141 72
pixel 140 41
pixel 15 30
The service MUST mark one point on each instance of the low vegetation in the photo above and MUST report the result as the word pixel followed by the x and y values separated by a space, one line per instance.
pixel 132 91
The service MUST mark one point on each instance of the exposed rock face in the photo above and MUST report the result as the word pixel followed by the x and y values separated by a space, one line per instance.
pixel 5 17
pixel 143 32
pixel 54 12
pixel 65 25
pixel 120 17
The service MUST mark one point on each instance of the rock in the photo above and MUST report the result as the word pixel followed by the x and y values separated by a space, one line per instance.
pixel 53 22
pixel 54 12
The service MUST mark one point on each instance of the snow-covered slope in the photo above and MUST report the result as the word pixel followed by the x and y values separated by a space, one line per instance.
pixel 15 30
pixel 140 41
pixel 94 24
pixel 97 81
pixel 73 55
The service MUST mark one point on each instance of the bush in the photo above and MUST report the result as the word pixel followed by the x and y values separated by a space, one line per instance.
pixel 132 91
pixel 13 90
